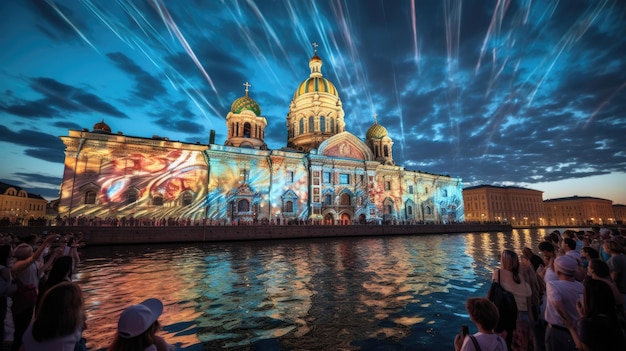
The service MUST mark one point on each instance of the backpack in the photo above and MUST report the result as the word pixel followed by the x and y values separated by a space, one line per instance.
pixel 507 307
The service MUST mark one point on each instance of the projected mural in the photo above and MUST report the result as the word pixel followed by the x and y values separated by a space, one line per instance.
pixel 324 175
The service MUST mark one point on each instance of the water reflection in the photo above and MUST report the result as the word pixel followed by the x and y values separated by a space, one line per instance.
pixel 392 293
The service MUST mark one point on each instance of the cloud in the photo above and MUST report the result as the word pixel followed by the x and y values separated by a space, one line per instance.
pixel 59 100
pixel 147 87
pixel 38 145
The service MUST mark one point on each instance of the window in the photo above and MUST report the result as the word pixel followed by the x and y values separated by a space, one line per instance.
pixel 246 130
pixel 326 177
pixel 332 125
pixel 445 193
pixel 288 207
pixel 409 210
pixel 157 200
pixel 328 199
pixel 90 198
pixel 301 126
pixel 387 185
pixel 131 197
pixel 290 176
pixel 322 124
pixel 344 178
pixel 410 189
pixel 187 199
pixel 243 206
pixel 311 124
pixel 388 209
pixel 426 190
pixel 385 150
pixel 345 200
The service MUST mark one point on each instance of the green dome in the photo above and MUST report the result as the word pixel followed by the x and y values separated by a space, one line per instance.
pixel 376 131
pixel 245 103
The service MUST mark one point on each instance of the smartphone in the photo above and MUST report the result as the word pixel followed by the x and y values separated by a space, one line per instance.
pixel 464 330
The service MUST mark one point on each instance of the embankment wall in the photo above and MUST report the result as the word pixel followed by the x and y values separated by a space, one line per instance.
pixel 179 234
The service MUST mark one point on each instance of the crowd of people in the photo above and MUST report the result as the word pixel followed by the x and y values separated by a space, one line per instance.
pixel 47 309
pixel 571 296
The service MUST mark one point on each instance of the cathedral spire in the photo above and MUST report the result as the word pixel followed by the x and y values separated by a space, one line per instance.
pixel 247 85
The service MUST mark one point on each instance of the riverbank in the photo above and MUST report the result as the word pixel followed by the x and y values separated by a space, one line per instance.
pixel 94 235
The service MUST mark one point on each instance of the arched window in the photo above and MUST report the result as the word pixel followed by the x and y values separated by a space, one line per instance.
pixel 322 124
pixel 344 200
pixel 376 151
pixel 131 197
pixel 429 211
pixel 243 205
pixel 445 193
pixel 187 199
pixel 328 200
pixel 311 124
pixel 385 151
pixel 157 200
pixel 409 210
pixel 288 207
pixel 231 132
pixel 246 130
pixel 236 129
pixel 301 126
pixel 426 190
pixel 332 125
pixel 90 198
pixel 388 209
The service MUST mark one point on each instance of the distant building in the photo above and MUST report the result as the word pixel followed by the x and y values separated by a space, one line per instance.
pixel 324 174
pixel 18 207
pixel 619 213
pixel 579 211
pixel 507 204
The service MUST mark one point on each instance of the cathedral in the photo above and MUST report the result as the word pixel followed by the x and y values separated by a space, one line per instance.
pixel 323 175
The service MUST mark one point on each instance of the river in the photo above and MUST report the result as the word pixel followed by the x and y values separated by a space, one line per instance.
pixel 374 293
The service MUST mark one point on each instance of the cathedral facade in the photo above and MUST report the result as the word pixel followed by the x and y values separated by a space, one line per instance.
pixel 324 174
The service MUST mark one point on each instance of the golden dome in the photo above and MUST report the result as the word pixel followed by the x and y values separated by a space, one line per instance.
pixel 376 131
pixel 101 127
pixel 245 103
pixel 316 84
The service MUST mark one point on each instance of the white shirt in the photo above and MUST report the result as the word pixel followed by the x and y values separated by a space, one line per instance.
pixel 487 342
pixel 565 291
pixel 65 343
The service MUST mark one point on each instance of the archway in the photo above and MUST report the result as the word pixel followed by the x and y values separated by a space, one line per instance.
pixel 344 218
pixel 329 219
pixel 362 219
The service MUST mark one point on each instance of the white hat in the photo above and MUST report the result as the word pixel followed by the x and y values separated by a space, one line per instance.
pixel 136 319
pixel 566 264
pixel 605 232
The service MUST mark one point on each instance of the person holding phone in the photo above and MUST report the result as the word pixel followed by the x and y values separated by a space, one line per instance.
pixel 484 314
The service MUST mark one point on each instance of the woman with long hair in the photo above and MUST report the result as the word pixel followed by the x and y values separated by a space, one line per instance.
pixel 521 338
pixel 59 321
pixel 599 327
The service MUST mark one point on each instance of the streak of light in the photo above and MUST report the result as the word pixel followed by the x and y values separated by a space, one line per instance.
pixel 601 106
pixel 573 35
pixel 67 20
pixel 452 20
pixel 494 28
pixel 416 54
pixel 167 19
pixel 395 88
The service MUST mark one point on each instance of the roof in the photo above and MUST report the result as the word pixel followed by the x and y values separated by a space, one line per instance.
pixel 574 198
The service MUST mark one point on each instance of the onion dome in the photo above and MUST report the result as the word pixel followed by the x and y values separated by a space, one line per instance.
pixel 316 83
pixel 101 127
pixel 245 103
pixel 376 131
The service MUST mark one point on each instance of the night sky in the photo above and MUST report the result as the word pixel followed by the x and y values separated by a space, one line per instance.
pixel 525 93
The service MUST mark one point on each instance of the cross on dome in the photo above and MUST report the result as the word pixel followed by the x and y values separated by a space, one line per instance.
pixel 314 47
pixel 375 120
pixel 247 85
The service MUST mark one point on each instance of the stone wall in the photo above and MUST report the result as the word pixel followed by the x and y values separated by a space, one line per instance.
pixel 175 234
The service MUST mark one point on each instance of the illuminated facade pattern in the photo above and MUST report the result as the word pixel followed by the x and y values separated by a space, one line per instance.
pixel 579 211
pixel 518 206
pixel 18 207
pixel 324 175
